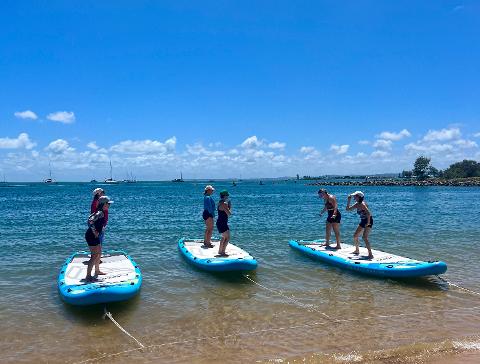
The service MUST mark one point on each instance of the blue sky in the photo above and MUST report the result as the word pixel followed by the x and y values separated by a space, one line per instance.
pixel 230 88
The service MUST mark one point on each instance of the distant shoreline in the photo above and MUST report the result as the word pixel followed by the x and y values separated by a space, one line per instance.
pixel 457 182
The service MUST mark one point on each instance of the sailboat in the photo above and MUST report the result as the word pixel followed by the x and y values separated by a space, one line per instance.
pixel 130 178
pixel 49 180
pixel 111 180
pixel 179 179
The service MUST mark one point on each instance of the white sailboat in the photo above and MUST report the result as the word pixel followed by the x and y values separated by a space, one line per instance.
pixel 111 180
pixel 49 179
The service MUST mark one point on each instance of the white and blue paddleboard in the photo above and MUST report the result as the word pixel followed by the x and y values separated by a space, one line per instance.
pixel 382 265
pixel 207 259
pixel 121 281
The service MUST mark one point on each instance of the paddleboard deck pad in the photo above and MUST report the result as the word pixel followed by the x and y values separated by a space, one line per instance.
pixel 206 258
pixel 382 265
pixel 121 281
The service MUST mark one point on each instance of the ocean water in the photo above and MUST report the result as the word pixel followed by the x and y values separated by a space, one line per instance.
pixel 184 315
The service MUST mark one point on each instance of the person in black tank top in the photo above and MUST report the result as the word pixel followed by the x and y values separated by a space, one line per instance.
pixel 333 219
pixel 224 211
pixel 366 221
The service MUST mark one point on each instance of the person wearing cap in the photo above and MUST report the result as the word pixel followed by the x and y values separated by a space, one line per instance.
pixel 97 193
pixel 224 211
pixel 333 219
pixel 366 221
pixel 96 225
pixel 208 215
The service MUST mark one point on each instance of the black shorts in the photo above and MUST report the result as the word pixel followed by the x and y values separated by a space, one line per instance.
pixel 222 227
pixel 206 215
pixel 336 220
pixel 91 239
pixel 363 223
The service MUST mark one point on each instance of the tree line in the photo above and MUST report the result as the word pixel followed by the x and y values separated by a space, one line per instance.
pixel 423 169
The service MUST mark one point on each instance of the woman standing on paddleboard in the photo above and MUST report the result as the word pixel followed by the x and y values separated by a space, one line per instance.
pixel 366 221
pixel 93 236
pixel 333 219
pixel 208 215
pixel 224 211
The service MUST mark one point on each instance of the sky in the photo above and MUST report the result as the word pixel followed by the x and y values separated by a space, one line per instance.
pixel 236 89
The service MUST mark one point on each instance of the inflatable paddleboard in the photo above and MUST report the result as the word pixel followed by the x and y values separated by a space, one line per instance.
pixel 382 265
pixel 206 259
pixel 121 282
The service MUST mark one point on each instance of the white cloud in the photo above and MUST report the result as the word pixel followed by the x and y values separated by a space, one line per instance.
pixel 93 145
pixel 340 149
pixel 363 142
pixel 59 146
pixel 477 135
pixel 277 145
pixel 27 114
pixel 65 117
pixel 252 142
pixel 22 141
pixel 145 146
pixel 307 150
pixel 442 135
pixel 429 148
pixel 383 144
pixel 462 143
pixel 380 154
pixel 394 136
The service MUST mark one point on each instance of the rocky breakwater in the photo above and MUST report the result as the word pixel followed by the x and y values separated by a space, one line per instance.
pixel 457 182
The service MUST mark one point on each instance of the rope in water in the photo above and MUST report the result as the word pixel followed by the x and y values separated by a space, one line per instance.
pixel 458 287
pixel 109 315
pixel 179 341
pixel 310 307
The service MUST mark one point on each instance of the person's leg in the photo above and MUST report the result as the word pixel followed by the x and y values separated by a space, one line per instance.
pixel 226 241
pixel 366 232
pixel 336 230
pixel 209 232
pixel 97 260
pixel 220 246
pixel 91 262
pixel 328 232
pixel 355 239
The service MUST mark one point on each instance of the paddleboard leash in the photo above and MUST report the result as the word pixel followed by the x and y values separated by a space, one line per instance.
pixel 309 307
pixel 109 315
pixel 458 287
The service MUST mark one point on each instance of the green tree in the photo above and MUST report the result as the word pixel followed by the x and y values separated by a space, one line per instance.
pixel 421 166
pixel 463 169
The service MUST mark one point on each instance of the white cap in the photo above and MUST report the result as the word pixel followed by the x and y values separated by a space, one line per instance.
pixel 104 199
pixel 97 190
pixel 209 187
pixel 358 193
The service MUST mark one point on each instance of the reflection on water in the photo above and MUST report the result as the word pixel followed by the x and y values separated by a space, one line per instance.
pixel 186 315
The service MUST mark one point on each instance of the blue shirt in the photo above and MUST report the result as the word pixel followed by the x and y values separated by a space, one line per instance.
pixel 209 204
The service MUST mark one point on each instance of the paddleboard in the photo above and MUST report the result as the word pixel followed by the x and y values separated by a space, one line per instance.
pixel 206 259
pixel 382 265
pixel 121 282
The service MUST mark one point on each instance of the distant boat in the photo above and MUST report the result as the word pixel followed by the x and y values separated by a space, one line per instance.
pixel 111 180
pixel 234 183
pixel 94 181
pixel 130 178
pixel 49 180
pixel 261 183
pixel 178 179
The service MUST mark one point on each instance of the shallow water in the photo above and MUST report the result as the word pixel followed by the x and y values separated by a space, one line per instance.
pixel 185 315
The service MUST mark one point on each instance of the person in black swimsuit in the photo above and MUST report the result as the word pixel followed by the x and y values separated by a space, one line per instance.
pixel 224 211
pixel 93 236
pixel 366 221
pixel 333 219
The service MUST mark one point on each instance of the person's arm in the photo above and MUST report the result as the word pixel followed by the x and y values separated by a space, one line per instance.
pixel 335 206
pixel 350 208
pixel 366 209
pixel 224 207
pixel 323 211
